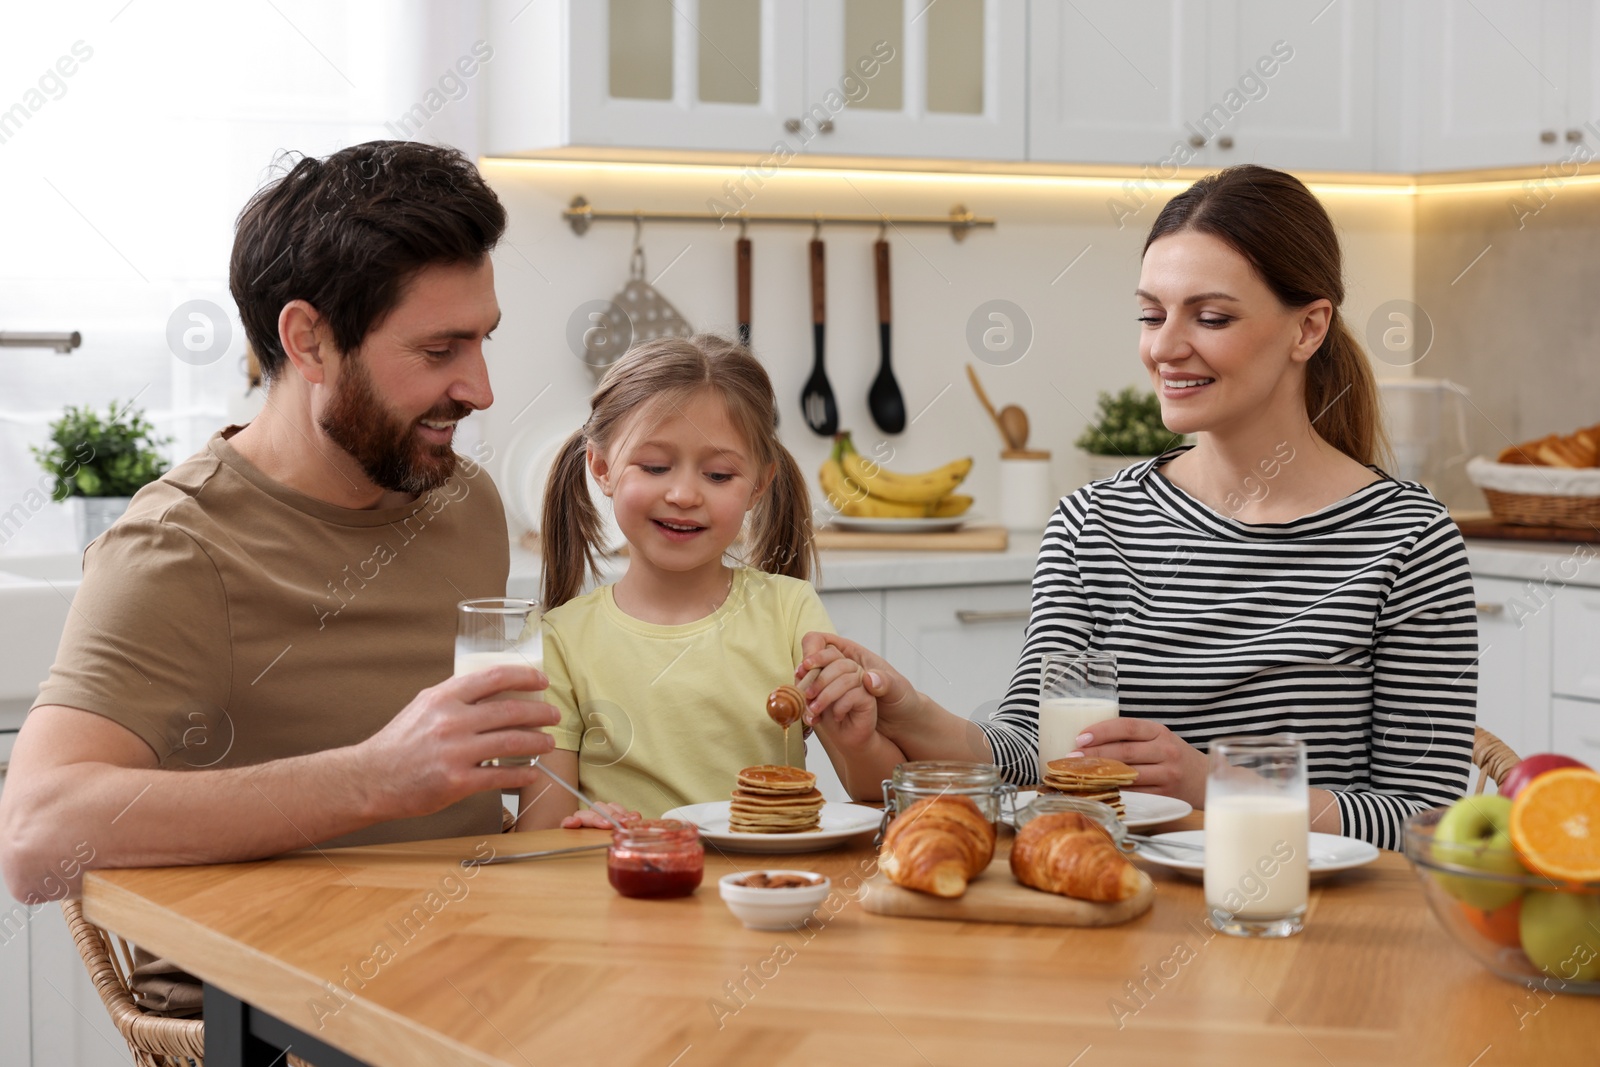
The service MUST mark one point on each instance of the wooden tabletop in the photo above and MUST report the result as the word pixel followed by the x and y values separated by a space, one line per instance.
pixel 542 963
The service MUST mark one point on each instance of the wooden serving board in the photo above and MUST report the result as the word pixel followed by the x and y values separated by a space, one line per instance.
pixel 1507 531
pixel 997 897
pixel 969 539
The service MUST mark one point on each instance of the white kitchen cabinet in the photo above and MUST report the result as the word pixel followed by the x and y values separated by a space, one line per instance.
pixel 858 77
pixel 1577 642
pixel 948 78
pixel 1496 82
pixel 1575 729
pixel 958 644
pixel 678 74
pixel 1114 81
pixel 856 614
pixel 1513 666
pixel 1317 109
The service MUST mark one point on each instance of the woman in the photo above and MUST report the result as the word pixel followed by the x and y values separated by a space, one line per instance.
pixel 1268 579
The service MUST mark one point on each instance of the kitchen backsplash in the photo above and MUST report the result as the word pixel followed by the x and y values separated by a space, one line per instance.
pixel 1057 254
pixel 1508 278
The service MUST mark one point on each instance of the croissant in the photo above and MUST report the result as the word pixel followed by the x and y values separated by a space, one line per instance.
pixel 938 845
pixel 1068 853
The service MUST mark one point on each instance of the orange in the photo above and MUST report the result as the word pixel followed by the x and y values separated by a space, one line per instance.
pixel 1503 925
pixel 1555 824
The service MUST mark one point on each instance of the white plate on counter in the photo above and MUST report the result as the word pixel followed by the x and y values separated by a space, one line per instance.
pixel 857 524
pixel 840 823
pixel 1329 853
pixel 1143 809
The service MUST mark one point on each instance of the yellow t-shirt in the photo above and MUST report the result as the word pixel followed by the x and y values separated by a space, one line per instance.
pixel 667 715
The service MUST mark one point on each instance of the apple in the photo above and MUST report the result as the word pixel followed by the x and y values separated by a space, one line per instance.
pixel 1474 833
pixel 1531 768
pixel 1561 934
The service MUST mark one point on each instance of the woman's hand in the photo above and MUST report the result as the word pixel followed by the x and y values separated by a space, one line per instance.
pixel 1166 763
pixel 854 686
pixel 593 817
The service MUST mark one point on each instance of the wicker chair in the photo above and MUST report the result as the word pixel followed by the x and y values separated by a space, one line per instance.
pixel 155 1040
pixel 1493 758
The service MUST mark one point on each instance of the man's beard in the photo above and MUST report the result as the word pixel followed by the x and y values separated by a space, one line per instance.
pixel 388 448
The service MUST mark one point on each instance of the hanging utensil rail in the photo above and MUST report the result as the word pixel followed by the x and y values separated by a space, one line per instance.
pixel 580 214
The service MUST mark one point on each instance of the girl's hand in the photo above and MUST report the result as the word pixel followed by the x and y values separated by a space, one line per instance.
pixel 592 817
pixel 854 685
pixel 1166 763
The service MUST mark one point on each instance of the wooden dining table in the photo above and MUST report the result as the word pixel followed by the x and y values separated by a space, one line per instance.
pixel 397 956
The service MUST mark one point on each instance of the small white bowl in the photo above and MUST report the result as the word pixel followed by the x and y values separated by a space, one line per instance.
pixel 773 909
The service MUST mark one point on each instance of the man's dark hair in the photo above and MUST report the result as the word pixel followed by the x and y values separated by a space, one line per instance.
pixel 346 233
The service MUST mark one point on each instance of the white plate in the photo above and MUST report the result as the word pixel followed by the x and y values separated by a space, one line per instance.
pixel 860 525
pixel 1144 809
pixel 840 822
pixel 1329 853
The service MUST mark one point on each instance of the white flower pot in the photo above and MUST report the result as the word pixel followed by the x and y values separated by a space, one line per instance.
pixel 1105 466
pixel 96 514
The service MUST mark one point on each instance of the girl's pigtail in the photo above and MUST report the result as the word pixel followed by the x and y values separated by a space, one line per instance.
pixel 781 525
pixel 569 533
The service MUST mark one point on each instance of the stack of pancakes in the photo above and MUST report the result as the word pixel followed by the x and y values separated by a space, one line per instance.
pixel 1090 778
pixel 775 800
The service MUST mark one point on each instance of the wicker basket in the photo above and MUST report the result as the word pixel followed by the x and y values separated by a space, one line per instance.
pixel 1539 496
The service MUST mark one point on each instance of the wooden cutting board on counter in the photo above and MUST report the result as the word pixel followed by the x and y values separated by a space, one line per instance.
pixel 966 539
pixel 1486 527
pixel 997 897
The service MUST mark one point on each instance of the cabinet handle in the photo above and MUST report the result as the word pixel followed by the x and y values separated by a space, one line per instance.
pixel 1196 141
pixel 965 617
pixel 1225 141
pixel 794 125
pixel 1490 609
pixel 1574 136
pixel 1547 136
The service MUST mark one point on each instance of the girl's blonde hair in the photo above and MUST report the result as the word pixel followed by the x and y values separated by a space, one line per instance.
pixel 664 375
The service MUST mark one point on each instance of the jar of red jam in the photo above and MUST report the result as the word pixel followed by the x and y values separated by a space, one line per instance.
pixel 656 858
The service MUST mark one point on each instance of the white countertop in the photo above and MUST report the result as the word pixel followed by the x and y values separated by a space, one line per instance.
pixel 849 570
pixel 1568 564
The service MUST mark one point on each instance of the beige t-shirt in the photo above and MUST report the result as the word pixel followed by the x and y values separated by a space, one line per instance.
pixel 228 620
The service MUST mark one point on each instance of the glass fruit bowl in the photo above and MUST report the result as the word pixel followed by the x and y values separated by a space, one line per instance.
pixel 1524 927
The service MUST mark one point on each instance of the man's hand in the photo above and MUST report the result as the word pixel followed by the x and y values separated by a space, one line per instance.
pixel 429 755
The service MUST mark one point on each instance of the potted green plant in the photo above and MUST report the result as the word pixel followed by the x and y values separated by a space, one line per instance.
pixel 1127 428
pixel 104 460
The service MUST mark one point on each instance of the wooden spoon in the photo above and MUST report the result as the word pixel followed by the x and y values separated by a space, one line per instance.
pixel 983 397
pixel 1014 427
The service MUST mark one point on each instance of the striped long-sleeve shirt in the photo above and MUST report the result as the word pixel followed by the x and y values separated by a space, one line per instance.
pixel 1352 628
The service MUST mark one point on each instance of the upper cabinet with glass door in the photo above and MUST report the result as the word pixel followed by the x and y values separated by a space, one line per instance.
pixel 685 74
pixel 929 78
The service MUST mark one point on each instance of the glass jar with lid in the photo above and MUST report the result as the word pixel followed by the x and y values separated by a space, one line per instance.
pixel 1049 803
pixel 979 782
pixel 656 858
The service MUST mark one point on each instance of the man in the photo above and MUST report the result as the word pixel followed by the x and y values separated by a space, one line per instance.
pixel 259 657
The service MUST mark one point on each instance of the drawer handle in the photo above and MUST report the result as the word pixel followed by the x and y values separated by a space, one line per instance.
pixel 1490 609
pixel 966 617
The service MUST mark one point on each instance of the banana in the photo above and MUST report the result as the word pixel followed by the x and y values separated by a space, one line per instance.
pixel 850 497
pixel 951 506
pixel 870 507
pixel 924 488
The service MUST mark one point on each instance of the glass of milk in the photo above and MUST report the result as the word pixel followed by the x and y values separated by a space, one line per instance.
pixel 1076 690
pixel 493 631
pixel 1258 829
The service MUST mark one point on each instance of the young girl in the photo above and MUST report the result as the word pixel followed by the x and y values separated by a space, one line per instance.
pixel 662 679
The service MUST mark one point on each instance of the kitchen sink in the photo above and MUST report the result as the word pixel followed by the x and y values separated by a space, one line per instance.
pixel 35 596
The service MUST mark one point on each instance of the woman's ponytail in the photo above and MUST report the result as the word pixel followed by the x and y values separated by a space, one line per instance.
pixel 1342 398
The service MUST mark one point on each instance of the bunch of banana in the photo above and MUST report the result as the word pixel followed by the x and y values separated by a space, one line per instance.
pixel 858 487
